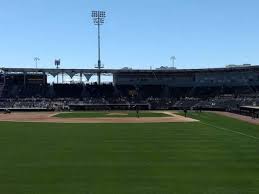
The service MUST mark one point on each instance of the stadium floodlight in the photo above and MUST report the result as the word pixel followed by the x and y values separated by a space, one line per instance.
pixel 57 63
pixel 98 19
pixel 173 58
pixel 36 59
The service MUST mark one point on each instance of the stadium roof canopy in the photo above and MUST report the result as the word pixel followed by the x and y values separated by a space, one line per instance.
pixel 72 72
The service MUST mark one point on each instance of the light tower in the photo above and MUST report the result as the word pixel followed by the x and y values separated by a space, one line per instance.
pixel 36 59
pixel 57 64
pixel 98 18
pixel 173 58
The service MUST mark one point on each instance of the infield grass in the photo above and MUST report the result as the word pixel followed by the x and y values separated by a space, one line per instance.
pixel 118 114
pixel 213 156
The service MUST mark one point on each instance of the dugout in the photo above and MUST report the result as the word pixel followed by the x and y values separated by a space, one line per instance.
pixel 252 111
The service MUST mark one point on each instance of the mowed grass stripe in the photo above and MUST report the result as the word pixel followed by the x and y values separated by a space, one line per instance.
pixel 233 131
pixel 128 158
pixel 224 123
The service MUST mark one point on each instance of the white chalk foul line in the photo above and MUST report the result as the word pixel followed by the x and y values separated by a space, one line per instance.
pixel 236 132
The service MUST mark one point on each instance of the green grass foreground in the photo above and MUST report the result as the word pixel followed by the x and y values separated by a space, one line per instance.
pixel 218 155
pixel 124 114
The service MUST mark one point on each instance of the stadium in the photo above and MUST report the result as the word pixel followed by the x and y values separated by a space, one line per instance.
pixel 131 135
pixel 161 130
pixel 233 89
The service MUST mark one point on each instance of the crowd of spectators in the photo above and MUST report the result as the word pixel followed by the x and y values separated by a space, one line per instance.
pixel 63 96
pixel 226 103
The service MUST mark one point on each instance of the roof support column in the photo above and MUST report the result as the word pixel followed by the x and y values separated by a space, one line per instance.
pixel 81 77
pixel 44 79
pixel 57 78
pixel 4 77
pixel 24 78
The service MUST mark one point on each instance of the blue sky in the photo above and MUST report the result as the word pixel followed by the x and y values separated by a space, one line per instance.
pixel 137 33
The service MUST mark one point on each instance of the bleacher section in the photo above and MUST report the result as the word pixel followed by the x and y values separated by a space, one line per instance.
pixel 67 90
pixel 1 89
pixel 207 89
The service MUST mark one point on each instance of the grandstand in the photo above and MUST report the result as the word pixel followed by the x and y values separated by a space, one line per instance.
pixel 216 88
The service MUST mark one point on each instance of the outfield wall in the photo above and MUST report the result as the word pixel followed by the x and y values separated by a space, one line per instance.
pixel 26 109
pixel 77 107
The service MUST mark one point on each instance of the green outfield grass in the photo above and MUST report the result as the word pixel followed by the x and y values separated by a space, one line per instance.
pixel 218 155
pixel 122 114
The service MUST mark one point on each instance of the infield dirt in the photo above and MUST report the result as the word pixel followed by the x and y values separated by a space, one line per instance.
pixel 48 117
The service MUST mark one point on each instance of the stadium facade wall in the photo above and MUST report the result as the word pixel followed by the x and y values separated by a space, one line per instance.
pixel 190 78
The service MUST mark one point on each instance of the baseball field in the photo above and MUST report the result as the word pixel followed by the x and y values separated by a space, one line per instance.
pixel 214 155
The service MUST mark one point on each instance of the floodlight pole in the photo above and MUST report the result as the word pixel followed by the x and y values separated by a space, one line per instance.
pixel 36 59
pixel 57 64
pixel 173 58
pixel 99 53
pixel 98 17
